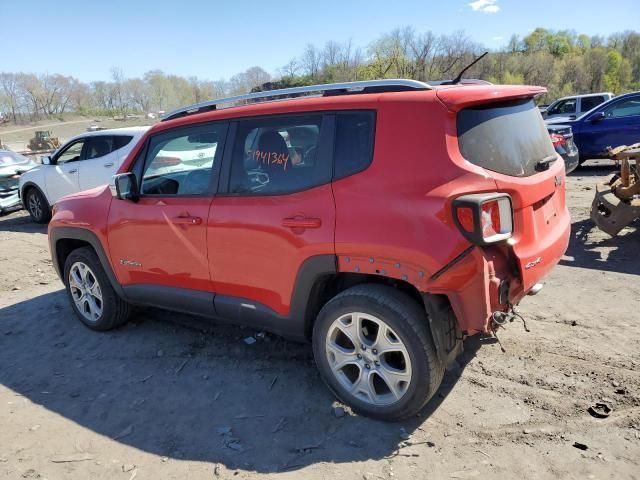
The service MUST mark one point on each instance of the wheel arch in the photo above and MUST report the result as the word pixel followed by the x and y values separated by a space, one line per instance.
pixel 325 284
pixel 64 240
pixel 29 185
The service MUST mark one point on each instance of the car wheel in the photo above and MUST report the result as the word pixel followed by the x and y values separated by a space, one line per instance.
pixel 93 299
pixel 374 350
pixel 37 206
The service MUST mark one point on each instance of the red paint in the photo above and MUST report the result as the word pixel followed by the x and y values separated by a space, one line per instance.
pixel 397 212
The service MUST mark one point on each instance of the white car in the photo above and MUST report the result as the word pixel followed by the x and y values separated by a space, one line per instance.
pixel 85 161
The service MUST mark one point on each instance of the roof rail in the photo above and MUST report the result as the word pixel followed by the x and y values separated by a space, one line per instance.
pixel 369 86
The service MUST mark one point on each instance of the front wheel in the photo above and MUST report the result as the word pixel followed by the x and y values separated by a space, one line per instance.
pixel 37 206
pixel 93 299
pixel 374 350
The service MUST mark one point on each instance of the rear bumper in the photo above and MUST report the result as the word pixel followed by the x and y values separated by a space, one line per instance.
pixel 500 280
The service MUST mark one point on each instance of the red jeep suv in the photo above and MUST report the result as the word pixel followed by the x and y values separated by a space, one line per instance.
pixel 383 221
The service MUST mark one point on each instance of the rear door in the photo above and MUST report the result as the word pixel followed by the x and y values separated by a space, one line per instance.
pixel 277 210
pixel 619 126
pixel 62 177
pixel 99 165
pixel 158 245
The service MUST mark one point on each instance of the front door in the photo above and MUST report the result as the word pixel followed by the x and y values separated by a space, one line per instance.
pixel 161 240
pixel 277 210
pixel 62 175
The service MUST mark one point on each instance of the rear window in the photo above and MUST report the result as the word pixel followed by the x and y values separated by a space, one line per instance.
pixel 508 138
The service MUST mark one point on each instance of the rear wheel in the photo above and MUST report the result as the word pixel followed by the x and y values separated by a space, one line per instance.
pixel 374 350
pixel 37 206
pixel 93 299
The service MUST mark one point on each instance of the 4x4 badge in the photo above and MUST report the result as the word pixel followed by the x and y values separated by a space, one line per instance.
pixel 533 263
pixel 130 263
pixel 558 180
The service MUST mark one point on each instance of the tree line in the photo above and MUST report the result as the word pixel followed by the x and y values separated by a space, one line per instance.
pixel 563 61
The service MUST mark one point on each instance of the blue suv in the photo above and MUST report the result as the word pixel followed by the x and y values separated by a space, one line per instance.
pixel 615 122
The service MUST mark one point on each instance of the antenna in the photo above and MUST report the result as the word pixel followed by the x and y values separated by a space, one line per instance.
pixel 459 77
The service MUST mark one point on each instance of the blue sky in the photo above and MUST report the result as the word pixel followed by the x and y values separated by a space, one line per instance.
pixel 216 39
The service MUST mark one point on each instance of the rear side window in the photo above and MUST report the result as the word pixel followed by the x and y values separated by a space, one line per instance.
pixel 587 103
pixel 353 142
pixel 99 146
pixel 278 156
pixel 120 141
pixel 508 138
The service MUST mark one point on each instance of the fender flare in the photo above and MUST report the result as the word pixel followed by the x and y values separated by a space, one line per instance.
pixel 57 234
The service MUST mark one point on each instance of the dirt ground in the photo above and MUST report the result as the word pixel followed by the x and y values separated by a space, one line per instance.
pixel 172 397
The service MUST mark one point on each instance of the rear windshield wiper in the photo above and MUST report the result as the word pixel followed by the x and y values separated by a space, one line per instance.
pixel 545 162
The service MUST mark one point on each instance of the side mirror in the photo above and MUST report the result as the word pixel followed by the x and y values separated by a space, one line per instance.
pixel 572 117
pixel 45 160
pixel 597 117
pixel 124 186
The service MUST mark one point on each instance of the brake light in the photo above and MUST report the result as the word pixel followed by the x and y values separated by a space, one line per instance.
pixel 484 218
pixel 558 140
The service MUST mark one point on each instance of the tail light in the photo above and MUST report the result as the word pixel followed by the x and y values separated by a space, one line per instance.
pixel 484 218
pixel 558 140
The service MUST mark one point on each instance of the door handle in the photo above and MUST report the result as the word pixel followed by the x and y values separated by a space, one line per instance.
pixel 187 220
pixel 73 170
pixel 301 222
pixel 107 165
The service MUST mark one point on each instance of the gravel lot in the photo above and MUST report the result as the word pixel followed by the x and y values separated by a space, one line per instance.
pixel 173 396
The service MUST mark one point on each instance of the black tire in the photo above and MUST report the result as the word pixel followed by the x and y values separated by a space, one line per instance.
pixel 37 205
pixel 408 320
pixel 115 311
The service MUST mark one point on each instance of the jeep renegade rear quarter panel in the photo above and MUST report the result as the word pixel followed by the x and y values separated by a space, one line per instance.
pixel 394 218
pixel 541 222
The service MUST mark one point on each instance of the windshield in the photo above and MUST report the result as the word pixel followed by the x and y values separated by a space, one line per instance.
pixel 509 137
pixel 11 158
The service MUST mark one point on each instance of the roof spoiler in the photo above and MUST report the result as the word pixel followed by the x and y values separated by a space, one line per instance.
pixel 455 99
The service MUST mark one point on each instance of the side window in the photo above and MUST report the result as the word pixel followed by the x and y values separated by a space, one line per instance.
pixel 182 162
pixel 71 154
pixel 278 156
pixel 588 103
pixel 565 106
pixel 120 141
pixel 99 146
pixel 625 108
pixel 353 151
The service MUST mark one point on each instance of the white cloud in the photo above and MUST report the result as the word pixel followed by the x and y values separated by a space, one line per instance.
pixel 497 38
pixel 486 6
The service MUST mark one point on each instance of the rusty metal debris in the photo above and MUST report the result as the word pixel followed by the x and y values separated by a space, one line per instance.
pixel 617 201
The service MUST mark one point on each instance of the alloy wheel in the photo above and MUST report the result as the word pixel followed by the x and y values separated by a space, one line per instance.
pixel 85 291
pixel 35 205
pixel 368 358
